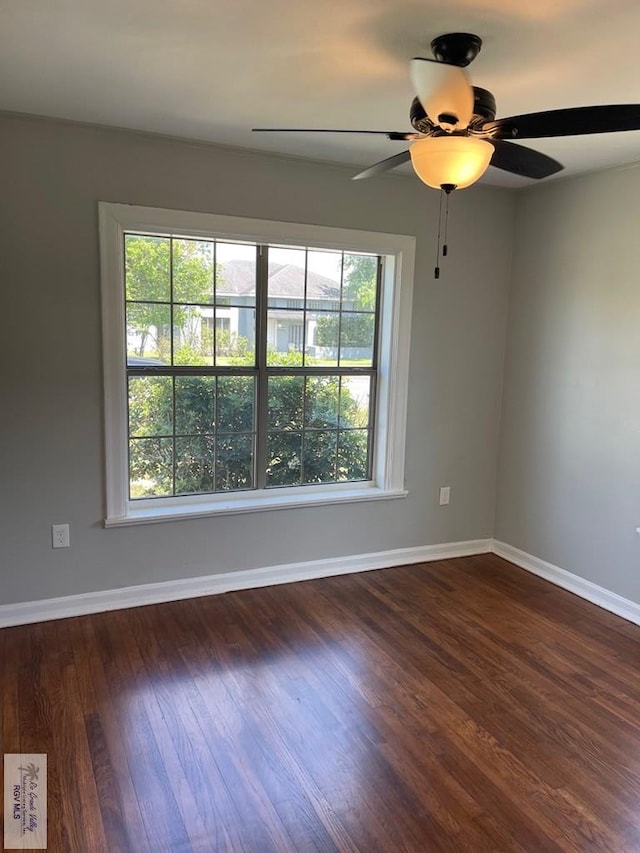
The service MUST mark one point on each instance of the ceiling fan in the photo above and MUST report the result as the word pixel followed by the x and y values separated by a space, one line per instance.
pixel 456 135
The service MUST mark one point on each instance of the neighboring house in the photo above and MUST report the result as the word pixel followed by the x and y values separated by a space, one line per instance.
pixel 289 326
pixel 286 290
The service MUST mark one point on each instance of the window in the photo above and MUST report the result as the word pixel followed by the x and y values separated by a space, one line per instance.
pixel 250 365
pixel 221 323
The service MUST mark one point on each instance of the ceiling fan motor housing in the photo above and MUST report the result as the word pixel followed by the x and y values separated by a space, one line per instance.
pixel 418 117
pixel 484 104
pixel 484 109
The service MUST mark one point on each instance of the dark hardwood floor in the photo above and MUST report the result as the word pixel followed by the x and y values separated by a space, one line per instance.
pixel 462 705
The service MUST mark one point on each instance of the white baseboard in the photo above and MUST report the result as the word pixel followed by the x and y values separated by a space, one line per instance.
pixel 27 612
pixel 604 598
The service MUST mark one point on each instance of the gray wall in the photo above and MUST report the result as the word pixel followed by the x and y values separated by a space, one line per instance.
pixel 569 470
pixel 51 440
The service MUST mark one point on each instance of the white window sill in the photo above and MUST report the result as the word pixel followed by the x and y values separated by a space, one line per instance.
pixel 170 509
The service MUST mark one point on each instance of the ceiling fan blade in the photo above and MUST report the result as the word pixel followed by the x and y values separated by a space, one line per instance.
pixel 522 161
pixel 401 135
pixel 384 165
pixel 444 91
pixel 575 121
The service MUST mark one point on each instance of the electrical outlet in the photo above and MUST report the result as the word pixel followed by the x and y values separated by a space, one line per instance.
pixel 445 495
pixel 60 535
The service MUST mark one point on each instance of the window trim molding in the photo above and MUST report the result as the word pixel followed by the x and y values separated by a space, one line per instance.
pixel 398 251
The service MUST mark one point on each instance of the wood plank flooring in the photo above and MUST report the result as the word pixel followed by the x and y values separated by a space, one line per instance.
pixel 462 705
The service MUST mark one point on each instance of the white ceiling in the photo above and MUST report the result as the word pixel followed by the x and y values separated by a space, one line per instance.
pixel 211 69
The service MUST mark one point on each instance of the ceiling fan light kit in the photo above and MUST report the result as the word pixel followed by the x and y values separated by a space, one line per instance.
pixel 457 161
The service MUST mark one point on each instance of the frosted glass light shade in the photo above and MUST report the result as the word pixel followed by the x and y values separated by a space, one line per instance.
pixel 457 160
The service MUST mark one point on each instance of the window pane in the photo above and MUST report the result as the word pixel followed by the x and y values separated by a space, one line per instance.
pixel 355 394
pixel 323 280
pixel 147 268
pixel 283 458
pixel 148 334
pixel 192 271
pixel 286 278
pixel 286 397
pixel 235 336
pixel 192 335
pixel 285 332
pixel 322 343
pixel 150 467
pixel 321 401
pixel 353 454
pixel 356 340
pixel 234 462
pixel 235 404
pixel 327 266
pixel 150 405
pixel 235 274
pixel 194 464
pixel 195 404
pixel 359 282
pixel 319 456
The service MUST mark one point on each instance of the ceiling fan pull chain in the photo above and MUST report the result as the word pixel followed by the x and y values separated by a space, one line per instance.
pixel 446 225
pixel 436 272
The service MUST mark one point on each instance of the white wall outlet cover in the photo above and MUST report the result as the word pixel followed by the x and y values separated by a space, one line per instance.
pixel 60 535
pixel 445 495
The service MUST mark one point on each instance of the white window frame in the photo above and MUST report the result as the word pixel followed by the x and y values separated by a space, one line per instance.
pixel 398 253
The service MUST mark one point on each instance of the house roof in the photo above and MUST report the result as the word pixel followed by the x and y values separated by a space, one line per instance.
pixel 285 280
